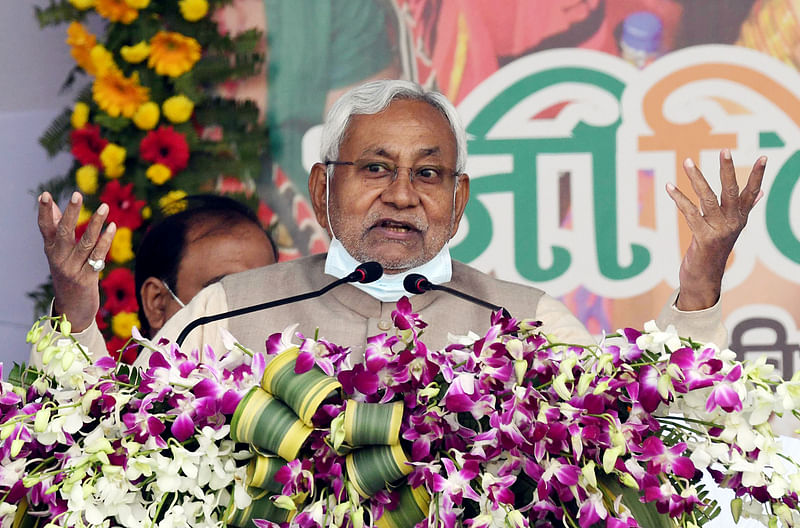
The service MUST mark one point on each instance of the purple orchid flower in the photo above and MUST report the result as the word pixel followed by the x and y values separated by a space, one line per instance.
pixel 698 369
pixel 724 393
pixel 659 458
pixel 144 425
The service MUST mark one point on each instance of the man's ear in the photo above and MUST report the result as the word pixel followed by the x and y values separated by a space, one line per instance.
pixel 317 185
pixel 155 299
pixel 460 200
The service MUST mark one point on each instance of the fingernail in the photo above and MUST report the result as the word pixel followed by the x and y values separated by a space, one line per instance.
pixel 759 196
pixel 44 198
pixel 688 163
pixel 76 196
pixel 103 209
pixel 670 187
pixel 111 227
pixel 726 153
pixel 762 160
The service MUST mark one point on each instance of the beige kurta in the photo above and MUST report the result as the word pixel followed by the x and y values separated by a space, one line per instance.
pixel 347 316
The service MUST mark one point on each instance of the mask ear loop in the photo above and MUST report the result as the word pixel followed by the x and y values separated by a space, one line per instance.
pixel 328 201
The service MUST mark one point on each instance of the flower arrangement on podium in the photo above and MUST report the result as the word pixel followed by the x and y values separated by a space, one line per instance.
pixel 504 429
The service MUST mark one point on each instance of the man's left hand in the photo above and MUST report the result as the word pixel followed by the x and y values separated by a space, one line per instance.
pixel 715 226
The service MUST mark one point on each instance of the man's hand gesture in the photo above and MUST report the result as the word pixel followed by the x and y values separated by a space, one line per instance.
pixel 715 226
pixel 74 266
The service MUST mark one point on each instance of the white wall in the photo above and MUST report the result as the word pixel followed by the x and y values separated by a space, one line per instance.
pixel 33 64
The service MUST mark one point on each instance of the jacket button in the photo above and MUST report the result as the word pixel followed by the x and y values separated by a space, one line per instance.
pixel 384 325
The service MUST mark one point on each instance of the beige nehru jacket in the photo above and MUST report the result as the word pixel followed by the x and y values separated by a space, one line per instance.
pixel 347 316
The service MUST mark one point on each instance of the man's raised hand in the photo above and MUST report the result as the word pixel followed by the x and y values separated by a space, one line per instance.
pixel 74 265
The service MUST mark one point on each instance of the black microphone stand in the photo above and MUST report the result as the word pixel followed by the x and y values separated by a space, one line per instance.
pixel 361 274
pixel 416 283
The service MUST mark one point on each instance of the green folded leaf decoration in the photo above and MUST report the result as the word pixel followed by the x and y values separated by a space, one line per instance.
pixel 412 507
pixel 261 472
pixel 372 423
pixel 261 508
pixel 371 468
pixel 276 419
pixel 267 423
pixel 305 392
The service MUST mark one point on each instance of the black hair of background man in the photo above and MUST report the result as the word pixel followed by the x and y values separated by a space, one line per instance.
pixel 164 244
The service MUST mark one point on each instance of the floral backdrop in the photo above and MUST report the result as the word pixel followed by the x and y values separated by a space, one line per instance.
pixel 150 127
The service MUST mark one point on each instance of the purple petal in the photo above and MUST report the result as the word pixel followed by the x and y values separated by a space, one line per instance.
pixel 648 388
pixel 207 388
pixel 683 467
pixel 182 428
pixel 154 426
pixel 230 400
pixel 305 360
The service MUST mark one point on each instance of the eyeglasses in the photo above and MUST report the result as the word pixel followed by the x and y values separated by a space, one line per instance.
pixel 172 293
pixel 382 173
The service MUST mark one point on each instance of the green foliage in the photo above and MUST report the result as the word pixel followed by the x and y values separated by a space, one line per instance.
pixel 56 13
pixel 55 138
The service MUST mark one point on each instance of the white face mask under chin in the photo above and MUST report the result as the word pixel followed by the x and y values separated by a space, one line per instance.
pixel 389 288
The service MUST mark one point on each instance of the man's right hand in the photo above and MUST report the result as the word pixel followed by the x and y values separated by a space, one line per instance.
pixel 75 282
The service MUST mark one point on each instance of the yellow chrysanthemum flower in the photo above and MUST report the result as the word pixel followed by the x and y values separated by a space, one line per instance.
pixel 86 178
pixel 178 108
pixel 116 11
pixel 116 94
pixel 122 324
pixel 193 10
pixel 81 43
pixel 80 115
pixel 146 212
pixel 136 53
pixel 158 173
pixel 138 4
pixel 173 54
pixel 113 159
pixel 122 246
pixel 102 60
pixel 146 117
pixel 82 5
pixel 84 215
pixel 172 202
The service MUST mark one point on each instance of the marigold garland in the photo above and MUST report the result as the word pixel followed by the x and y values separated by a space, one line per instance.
pixel 173 54
pixel 119 95
pixel 81 43
pixel 139 130
pixel 116 11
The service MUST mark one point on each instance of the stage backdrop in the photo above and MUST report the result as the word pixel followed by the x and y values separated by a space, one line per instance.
pixel 578 114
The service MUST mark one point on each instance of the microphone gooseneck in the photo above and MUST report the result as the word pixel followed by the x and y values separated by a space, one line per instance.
pixel 416 283
pixel 364 273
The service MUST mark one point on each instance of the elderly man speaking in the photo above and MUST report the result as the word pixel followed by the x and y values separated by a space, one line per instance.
pixel 392 188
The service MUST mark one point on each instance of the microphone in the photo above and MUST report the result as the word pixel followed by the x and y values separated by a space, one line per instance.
pixel 364 273
pixel 416 283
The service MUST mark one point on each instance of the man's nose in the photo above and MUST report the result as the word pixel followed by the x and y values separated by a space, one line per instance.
pixel 401 192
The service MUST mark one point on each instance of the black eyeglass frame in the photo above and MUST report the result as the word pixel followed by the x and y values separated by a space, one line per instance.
pixel 454 173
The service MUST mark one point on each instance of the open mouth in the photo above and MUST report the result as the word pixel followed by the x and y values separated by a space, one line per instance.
pixel 395 226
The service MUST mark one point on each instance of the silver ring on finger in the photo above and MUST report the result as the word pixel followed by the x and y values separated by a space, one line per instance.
pixel 97 265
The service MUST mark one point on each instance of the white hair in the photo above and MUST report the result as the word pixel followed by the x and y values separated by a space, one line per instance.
pixel 373 97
